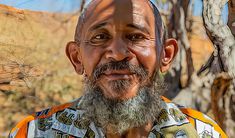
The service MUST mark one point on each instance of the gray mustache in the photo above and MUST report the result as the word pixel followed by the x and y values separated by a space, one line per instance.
pixel 140 71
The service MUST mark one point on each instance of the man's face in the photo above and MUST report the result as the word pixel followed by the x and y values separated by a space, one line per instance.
pixel 119 31
pixel 117 53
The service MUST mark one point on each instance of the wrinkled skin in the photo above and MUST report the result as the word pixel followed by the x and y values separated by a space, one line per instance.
pixel 117 30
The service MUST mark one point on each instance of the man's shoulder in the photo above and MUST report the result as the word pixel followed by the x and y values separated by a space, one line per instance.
pixel 203 124
pixel 22 128
pixel 52 110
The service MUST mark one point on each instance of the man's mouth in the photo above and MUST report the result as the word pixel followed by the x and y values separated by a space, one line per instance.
pixel 118 74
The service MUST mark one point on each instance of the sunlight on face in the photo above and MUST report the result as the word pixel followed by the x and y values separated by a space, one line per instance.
pixel 119 31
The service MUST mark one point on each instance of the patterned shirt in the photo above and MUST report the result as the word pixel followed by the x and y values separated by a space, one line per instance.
pixel 65 121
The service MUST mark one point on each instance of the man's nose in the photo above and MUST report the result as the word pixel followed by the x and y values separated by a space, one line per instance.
pixel 118 50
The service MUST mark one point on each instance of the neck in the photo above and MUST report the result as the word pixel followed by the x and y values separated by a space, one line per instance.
pixel 137 132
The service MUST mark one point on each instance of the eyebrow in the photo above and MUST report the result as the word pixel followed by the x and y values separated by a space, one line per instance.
pixel 97 26
pixel 139 27
pixel 134 26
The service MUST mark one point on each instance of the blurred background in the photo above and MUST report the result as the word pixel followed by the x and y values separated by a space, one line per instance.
pixel 35 72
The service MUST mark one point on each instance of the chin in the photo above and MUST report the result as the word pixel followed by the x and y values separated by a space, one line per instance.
pixel 120 90
pixel 121 97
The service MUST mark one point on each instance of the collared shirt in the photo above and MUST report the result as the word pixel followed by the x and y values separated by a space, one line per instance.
pixel 65 121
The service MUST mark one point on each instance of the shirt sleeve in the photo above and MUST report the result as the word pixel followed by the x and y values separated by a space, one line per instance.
pixel 204 125
pixel 21 129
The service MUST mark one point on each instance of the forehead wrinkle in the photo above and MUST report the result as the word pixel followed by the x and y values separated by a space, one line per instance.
pixel 91 10
pixel 137 16
pixel 146 19
pixel 94 3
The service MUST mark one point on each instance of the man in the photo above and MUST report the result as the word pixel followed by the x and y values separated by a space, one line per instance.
pixel 121 50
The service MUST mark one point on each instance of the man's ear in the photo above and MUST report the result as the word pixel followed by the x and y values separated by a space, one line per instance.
pixel 170 50
pixel 73 53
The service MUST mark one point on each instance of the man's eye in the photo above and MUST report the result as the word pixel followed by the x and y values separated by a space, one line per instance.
pixel 135 37
pixel 100 38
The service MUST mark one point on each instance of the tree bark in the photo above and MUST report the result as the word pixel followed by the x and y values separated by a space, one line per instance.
pixel 218 90
pixel 231 16
pixel 83 2
pixel 223 60
pixel 220 35
pixel 180 8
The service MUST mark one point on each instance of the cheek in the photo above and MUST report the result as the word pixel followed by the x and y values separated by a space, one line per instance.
pixel 90 59
pixel 147 57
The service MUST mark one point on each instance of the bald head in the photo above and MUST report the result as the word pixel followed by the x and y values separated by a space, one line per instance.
pixel 122 7
pixel 113 33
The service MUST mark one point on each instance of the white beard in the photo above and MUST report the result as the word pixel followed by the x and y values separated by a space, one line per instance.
pixel 115 116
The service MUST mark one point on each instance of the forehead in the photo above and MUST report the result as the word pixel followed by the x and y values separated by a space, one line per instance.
pixel 119 11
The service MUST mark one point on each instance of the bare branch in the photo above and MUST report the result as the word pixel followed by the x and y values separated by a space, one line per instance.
pixel 220 34
pixel 82 5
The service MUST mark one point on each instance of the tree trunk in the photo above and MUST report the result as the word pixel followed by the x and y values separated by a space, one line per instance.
pixel 180 9
pixel 83 2
pixel 231 16
pixel 182 68
pixel 220 35
pixel 223 87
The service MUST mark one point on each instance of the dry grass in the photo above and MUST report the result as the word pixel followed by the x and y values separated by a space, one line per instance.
pixel 36 39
